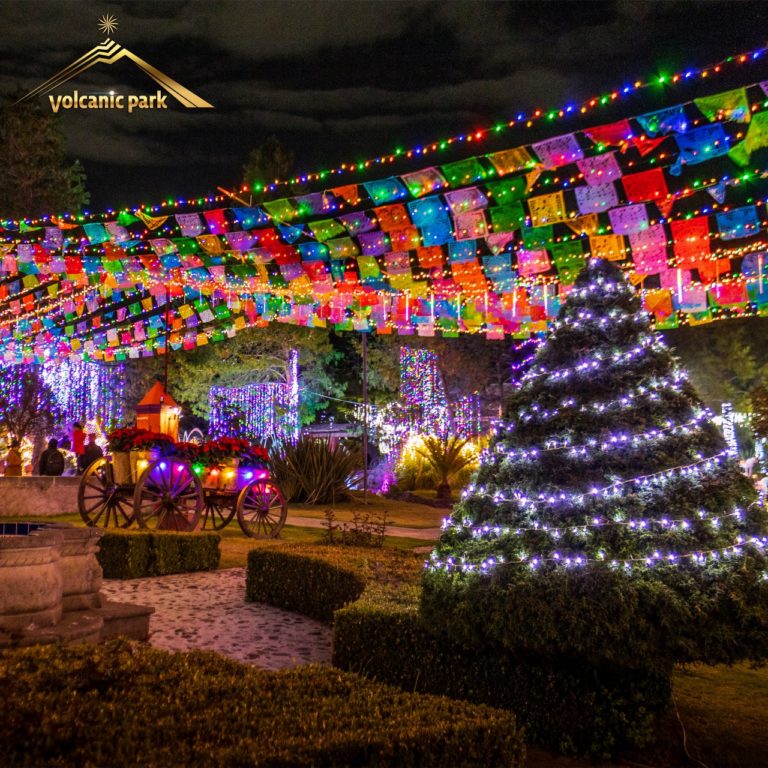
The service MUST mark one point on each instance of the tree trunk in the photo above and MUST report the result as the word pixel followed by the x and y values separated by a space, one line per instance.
pixel 444 492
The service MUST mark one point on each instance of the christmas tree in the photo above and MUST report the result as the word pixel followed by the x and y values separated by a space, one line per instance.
pixel 608 521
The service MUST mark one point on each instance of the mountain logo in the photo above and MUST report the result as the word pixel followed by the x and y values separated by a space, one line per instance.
pixel 110 52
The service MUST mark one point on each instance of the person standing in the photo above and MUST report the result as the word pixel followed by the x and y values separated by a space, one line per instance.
pixel 90 454
pixel 51 460
pixel 78 440
pixel 13 460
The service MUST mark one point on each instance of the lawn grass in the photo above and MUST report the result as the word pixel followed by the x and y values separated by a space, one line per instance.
pixel 399 513
pixel 235 546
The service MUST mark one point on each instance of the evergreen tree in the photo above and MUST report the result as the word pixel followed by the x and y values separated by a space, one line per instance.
pixel 35 177
pixel 607 521
pixel 269 161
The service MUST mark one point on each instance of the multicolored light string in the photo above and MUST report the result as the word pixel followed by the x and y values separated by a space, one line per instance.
pixel 258 412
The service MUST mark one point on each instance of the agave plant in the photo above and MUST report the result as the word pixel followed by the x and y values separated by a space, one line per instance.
pixel 315 471
pixel 447 457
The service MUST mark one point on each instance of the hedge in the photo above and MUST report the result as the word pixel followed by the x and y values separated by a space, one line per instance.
pixel 134 554
pixel 128 705
pixel 316 581
pixel 565 704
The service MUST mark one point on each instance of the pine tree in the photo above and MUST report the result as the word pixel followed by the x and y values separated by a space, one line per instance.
pixel 35 177
pixel 607 521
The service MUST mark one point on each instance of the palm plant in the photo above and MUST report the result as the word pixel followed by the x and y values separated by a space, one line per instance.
pixel 447 457
pixel 315 471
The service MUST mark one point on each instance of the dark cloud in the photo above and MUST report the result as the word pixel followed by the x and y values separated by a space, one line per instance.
pixel 340 78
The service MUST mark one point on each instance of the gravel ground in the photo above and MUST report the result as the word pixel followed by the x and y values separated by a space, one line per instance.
pixel 208 611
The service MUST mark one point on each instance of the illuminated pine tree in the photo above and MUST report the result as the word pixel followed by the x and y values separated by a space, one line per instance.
pixel 607 521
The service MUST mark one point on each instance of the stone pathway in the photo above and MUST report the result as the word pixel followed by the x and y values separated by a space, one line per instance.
pixel 207 611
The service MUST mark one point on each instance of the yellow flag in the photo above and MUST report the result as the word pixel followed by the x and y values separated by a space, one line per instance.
pixel 152 222
pixel 547 209
pixel 609 247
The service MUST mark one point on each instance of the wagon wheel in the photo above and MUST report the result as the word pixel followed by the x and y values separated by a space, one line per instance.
pixel 261 510
pixel 218 510
pixel 100 500
pixel 168 496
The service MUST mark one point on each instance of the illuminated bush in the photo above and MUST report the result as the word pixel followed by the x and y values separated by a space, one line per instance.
pixel 428 461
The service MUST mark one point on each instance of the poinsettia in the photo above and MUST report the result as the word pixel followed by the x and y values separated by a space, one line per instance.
pixel 215 452
pixel 149 441
pixel 123 439
pixel 188 451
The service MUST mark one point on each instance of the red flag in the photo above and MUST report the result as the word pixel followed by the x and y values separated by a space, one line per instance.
pixel 644 186
pixel 644 145
pixel 691 240
pixel 614 134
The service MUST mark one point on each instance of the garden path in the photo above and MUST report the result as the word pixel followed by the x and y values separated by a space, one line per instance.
pixel 207 611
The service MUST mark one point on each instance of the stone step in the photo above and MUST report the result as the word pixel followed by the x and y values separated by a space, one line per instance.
pixel 124 620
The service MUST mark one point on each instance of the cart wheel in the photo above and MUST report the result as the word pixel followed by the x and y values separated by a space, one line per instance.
pixel 168 496
pixel 100 501
pixel 218 511
pixel 261 510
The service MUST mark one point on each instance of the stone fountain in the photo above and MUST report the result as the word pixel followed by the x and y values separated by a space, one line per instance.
pixel 50 581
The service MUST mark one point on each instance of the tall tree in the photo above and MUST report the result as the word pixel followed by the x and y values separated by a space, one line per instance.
pixel 759 401
pixel 35 176
pixel 269 161
pixel 607 523
pixel 28 407
pixel 257 355
pixel 726 362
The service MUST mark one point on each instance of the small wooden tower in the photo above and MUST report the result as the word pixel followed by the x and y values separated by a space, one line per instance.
pixel 159 412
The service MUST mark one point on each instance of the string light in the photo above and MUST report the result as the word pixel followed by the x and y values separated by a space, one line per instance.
pixel 556 532
pixel 614 490
pixel 611 443
pixel 258 412
pixel 655 558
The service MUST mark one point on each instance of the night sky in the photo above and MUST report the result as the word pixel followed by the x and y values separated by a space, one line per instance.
pixel 340 81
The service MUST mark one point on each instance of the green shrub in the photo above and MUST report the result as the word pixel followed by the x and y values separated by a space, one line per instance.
pixel 314 586
pixel 127 705
pixel 315 471
pixel 133 555
pixel 564 704
pixel 428 462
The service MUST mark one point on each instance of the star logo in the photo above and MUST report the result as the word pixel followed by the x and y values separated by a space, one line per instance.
pixel 107 23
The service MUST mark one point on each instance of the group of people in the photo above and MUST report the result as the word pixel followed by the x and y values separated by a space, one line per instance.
pixel 52 461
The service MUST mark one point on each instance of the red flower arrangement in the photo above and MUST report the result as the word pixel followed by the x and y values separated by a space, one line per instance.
pixel 215 452
pixel 188 451
pixel 135 439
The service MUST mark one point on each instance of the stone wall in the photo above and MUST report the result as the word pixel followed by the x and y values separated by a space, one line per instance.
pixel 36 496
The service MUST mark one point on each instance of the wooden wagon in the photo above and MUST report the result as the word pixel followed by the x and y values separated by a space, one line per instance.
pixel 171 494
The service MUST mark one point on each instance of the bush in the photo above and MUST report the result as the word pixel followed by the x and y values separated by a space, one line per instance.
pixel 648 618
pixel 133 555
pixel 564 704
pixel 315 471
pixel 314 583
pixel 428 461
pixel 138 706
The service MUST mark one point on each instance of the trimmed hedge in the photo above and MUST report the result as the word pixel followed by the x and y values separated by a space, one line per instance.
pixel 128 705
pixel 565 704
pixel 135 554
pixel 316 581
